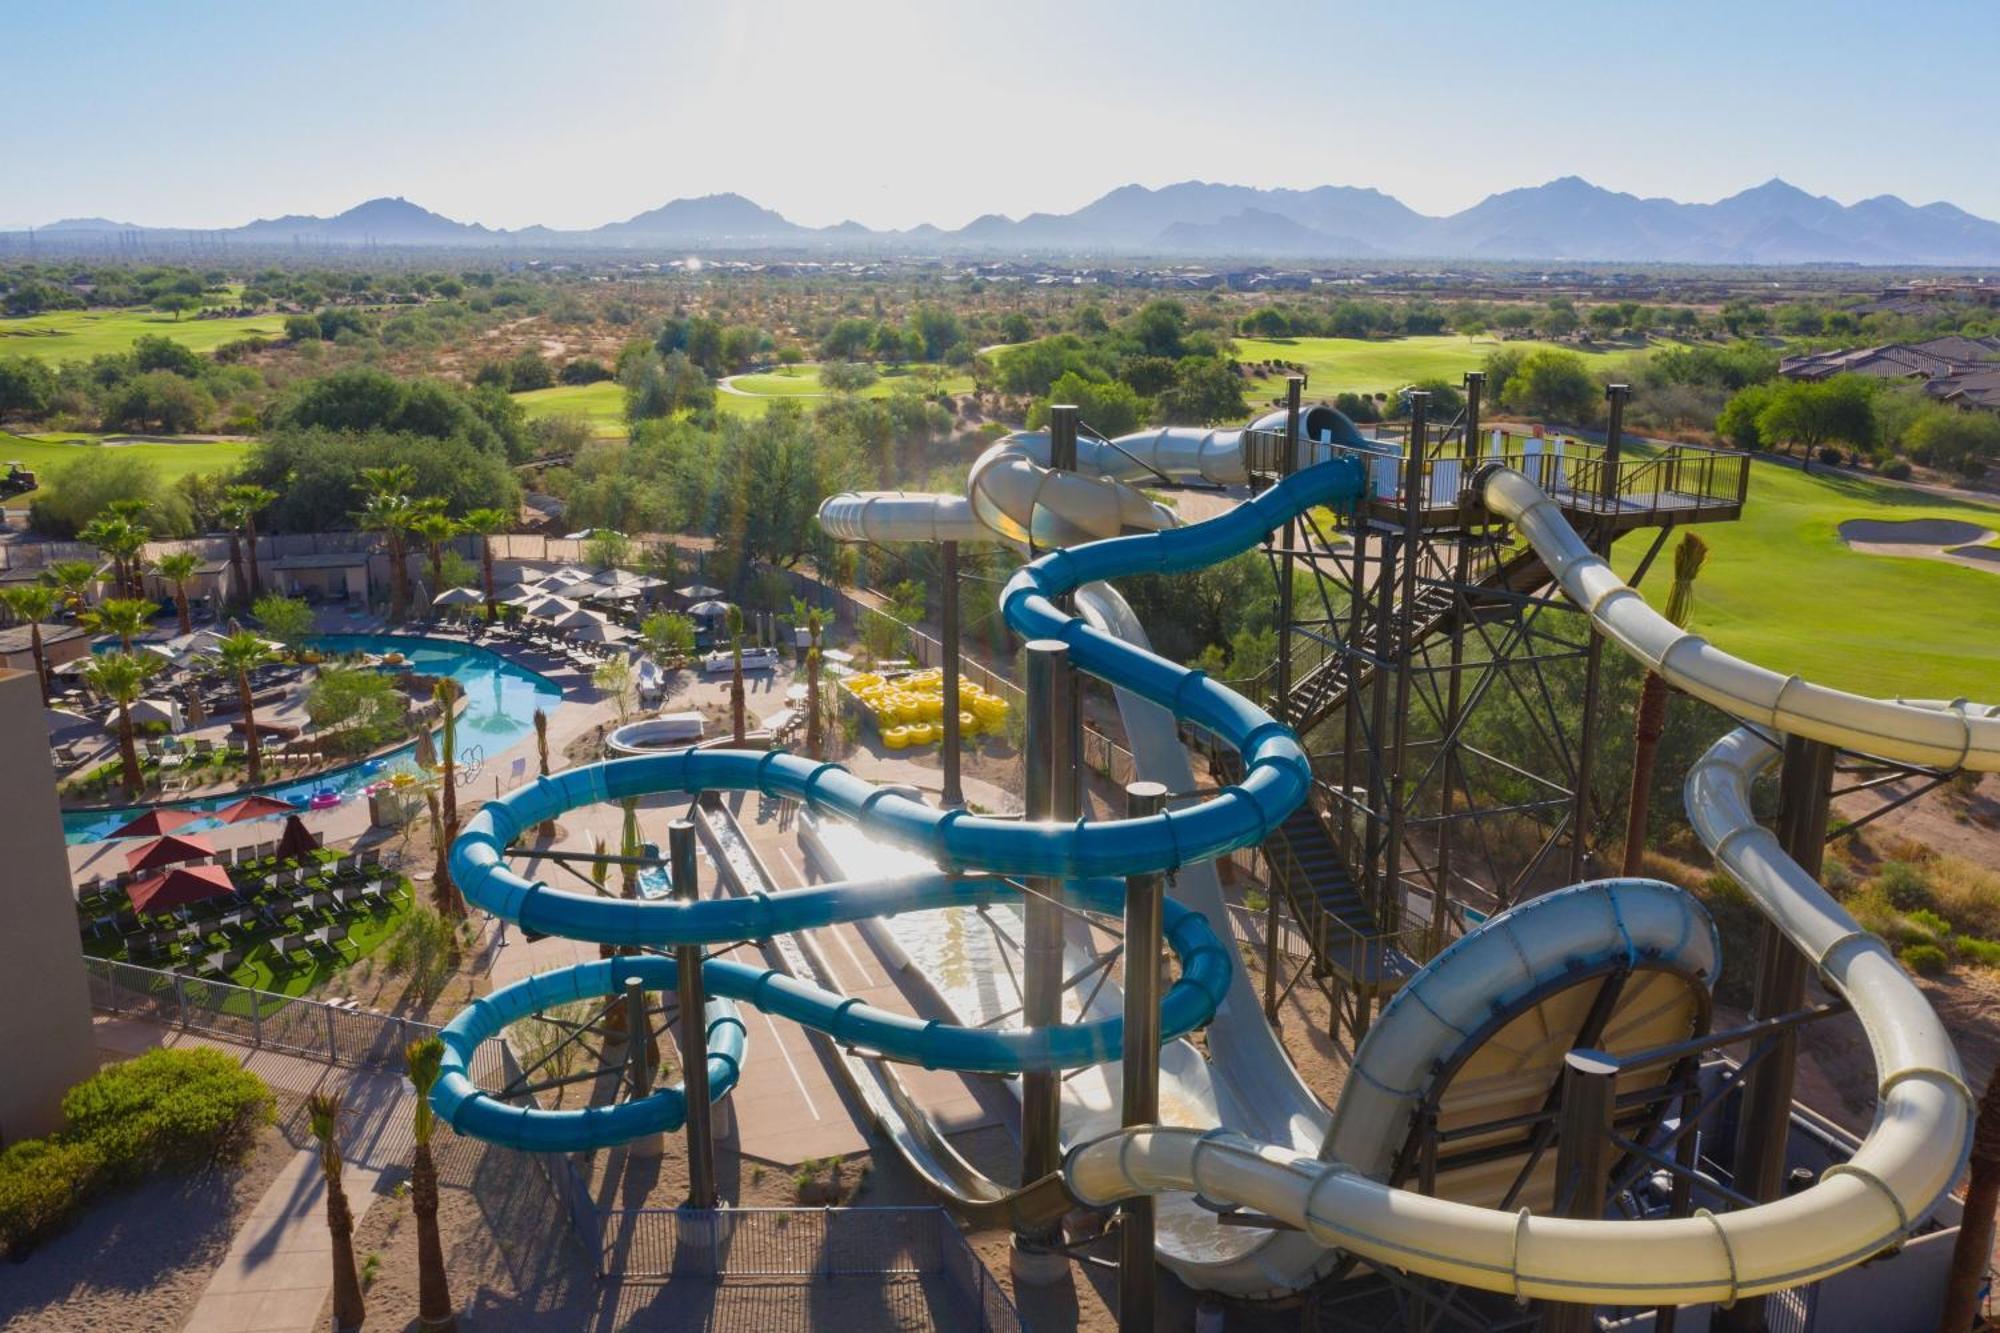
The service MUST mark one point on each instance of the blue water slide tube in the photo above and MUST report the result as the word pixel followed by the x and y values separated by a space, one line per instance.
pixel 1189 1003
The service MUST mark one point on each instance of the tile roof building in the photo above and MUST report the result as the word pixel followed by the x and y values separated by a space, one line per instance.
pixel 1952 369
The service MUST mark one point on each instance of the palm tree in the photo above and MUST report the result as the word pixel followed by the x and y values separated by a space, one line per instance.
pixel 121 678
pixel 548 828
pixel 735 623
pixel 73 578
pixel 487 522
pixel 241 653
pixel 390 511
pixel 435 529
pixel 127 617
pixel 323 1114
pixel 1651 720
pixel 34 603
pixel 445 894
pixel 177 567
pixel 240 504
pixel 121 540
pixel 433 1286
pixel 814 619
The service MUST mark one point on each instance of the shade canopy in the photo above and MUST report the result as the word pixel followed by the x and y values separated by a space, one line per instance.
pixel 709 610
pixel 254 807
pixel 549 608
pixel 578 618
pixel 599 632
pixel 154 823
pixel 623 592
pixel 512 594
pixel 169 850
pixel 459 597
pixel 179 887
pixel 696 592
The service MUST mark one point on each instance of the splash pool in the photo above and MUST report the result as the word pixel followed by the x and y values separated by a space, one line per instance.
pixel 500 703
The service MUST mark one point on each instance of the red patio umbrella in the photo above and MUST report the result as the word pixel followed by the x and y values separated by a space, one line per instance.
pixel 179 887
pixel 154 823
pixel 254 807
pixel 169 850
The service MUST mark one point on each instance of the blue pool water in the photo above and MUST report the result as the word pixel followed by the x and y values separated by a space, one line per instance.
pixel 500 704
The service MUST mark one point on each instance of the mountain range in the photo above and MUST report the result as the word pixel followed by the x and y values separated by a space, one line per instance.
pixel 1568 219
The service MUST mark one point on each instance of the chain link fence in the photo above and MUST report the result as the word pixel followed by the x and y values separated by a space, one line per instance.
pixel 289 1024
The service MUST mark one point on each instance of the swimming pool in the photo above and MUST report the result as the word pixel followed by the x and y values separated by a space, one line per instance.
pixel 500 703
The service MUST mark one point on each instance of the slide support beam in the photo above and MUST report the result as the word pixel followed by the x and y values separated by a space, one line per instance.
pixel 694 1026
pixel 1583 1162
pixel 1137 1273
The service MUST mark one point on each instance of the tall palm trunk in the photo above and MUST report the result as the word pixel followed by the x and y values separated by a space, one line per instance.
pixel 1973 1251
pixel 1650 721
pixel 128 752
pixel 236 565
pixel 1647 729
pixel 433 1285
pixel 182 608
pixel 548 826
pixel 41 658
pixel 399 577
pixel 256 573
pixel 446 895
pixel 813 738
pixel 486 578
pixel 253 748
pixel 349 1309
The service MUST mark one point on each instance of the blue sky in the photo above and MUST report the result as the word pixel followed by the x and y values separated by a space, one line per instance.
pixel 211 112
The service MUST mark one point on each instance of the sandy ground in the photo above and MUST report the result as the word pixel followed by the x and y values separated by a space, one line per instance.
pixel 136 1262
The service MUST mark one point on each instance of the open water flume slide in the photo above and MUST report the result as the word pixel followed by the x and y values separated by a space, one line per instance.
pixel 1910 1157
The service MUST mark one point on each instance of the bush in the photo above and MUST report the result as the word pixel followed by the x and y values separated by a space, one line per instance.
pixel 1898 470
pixel 1905 885
pixel 171 1110
pixel 1926 927
pixel 1926 960
pixel 1986 953
pixel 1830 456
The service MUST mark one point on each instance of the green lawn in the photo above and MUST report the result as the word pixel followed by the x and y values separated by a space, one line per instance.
pixel 602 404
pixel 49 453
pixel 1781 589
pixel 1370 365
pixel 756 393
pixel 76 335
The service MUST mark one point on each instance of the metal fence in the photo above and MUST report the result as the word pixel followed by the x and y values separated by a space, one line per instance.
pixel 286 1023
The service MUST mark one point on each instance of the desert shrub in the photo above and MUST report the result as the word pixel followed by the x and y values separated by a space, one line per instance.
pixel 1924 926
pixel 176 1110
pixel 167 1110
pixel 1986 953
pixel 1899 470
pixel 42 1181
pixel 1830 456
pixel 1967 893
pixel 1905 885
pixel 1926 960
pixel 426 948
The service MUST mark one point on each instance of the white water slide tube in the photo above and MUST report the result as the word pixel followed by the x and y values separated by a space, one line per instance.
pixel 1912 1154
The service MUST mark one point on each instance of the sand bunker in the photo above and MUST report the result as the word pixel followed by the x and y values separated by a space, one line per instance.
pixel 1912 532
pixel 1951 540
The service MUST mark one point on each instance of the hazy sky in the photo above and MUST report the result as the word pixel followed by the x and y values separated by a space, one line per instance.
pixel 199 113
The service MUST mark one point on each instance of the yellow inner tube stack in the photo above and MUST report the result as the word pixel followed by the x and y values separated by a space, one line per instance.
pixel 909 710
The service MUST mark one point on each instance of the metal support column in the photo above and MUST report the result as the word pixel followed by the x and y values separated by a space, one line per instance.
pixel 1475 389
pixel 1614 440
pixel 1050 790
pixel 952 796
pixel 1064 419
pixel 1593 661
pixel 1583 1162
pixel 639 1061
pixel 1137 1275
pixel 1763 1120
pixel 694 1026
pixel 1414 481
pixel 1287 463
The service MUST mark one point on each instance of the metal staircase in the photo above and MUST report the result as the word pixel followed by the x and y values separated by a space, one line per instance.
pixel 1344 931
